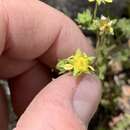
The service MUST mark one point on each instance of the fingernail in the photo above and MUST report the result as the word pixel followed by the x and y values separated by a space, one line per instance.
pixel 87 97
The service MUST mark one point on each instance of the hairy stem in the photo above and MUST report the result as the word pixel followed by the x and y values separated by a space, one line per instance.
pixel 95 11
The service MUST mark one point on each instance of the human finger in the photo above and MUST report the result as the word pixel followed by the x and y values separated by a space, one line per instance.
pixel 53 107
pixel 37 30
pixel 26 86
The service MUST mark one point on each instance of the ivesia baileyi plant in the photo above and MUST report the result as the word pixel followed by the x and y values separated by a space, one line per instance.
pixel 109 33
pixel 103 27
pixel 80 63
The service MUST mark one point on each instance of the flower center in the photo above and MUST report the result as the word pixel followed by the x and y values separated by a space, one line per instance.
pixel 80 64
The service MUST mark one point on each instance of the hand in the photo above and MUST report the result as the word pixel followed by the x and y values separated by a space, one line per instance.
pixel 33 36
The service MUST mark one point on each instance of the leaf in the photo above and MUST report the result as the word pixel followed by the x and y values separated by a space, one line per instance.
pixel 108 1
pixel 94 25
pixel 102 69
pixel 123 55
pixel 124 26
pixel 84 18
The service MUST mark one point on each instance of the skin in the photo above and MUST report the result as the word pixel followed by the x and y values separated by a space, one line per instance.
pixel 33 36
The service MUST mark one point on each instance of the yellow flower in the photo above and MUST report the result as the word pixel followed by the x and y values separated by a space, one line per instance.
pixel 78 64
pixel 105 25
pixel 101 1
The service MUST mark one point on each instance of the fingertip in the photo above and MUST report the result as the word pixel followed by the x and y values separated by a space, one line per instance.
pixel 87 97
pixel 62 88
pixel 52 107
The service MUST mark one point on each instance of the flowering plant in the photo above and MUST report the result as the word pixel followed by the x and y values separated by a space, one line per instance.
pixel 78 64
pixel 107 31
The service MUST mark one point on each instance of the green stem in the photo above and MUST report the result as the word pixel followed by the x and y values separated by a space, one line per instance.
pixel 99 53
pixel 98 48
pixel 95 11
pixel 98 41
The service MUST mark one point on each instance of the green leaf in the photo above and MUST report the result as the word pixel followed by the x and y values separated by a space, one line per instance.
pixel 124 26
pixel 94 26
pixel 108 1
pixel 102 69
pixel 84 18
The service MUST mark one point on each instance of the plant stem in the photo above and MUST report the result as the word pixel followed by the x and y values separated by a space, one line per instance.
pixel 98 51
pixel 95 11
pixel 101 55
pixel 97 48
pixel 98 41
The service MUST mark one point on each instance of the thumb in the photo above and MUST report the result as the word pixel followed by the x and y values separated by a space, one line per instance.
pixel 62 105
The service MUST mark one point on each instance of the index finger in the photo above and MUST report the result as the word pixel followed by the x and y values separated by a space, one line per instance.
pixel 36 30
